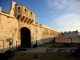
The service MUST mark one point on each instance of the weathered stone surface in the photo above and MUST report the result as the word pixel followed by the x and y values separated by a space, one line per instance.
pixel 18 17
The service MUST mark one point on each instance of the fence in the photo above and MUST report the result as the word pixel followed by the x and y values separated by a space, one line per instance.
pixel 65 50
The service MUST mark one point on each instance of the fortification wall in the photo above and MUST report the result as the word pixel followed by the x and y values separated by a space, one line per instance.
pixel 8 30
pixel 19 17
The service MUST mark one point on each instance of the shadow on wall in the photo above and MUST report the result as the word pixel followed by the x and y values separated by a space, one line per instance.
pixel 42 41
pixel 26 39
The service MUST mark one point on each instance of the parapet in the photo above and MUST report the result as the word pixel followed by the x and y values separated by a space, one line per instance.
pixel 20 11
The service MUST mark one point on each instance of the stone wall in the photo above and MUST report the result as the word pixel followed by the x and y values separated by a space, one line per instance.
pixel 8 31
pixel 12 22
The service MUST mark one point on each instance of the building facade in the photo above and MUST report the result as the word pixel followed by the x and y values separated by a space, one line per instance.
pixel 68 37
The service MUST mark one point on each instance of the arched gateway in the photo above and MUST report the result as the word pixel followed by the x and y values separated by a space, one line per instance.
pixel 25 38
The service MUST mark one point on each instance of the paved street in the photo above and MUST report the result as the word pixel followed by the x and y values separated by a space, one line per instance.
pixel 37 50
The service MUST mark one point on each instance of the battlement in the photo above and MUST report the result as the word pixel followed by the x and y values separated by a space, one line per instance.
pixel 21 13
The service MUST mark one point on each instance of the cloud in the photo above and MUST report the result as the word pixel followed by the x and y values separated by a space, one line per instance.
pixel 67 14
pixel 68 22
pixel 61 4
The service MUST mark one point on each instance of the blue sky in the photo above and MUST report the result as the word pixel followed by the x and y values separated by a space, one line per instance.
pixel 62 15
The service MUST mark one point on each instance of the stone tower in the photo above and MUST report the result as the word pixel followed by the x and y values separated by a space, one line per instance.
pixel 22 13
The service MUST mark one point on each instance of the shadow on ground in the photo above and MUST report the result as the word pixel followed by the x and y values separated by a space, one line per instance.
pixel 5 56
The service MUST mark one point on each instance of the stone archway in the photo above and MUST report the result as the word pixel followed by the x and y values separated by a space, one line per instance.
pixel 25 38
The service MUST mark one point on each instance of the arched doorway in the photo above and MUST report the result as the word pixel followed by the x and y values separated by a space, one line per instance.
pixel 25 38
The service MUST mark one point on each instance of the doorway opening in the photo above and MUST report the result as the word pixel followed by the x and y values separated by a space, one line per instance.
pixel 25 38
